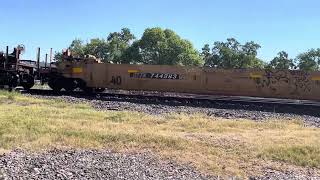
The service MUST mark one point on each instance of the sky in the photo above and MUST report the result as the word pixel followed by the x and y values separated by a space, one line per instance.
pixel 290 25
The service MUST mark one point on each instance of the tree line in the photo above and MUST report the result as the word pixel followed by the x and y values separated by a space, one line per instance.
pixel 165 47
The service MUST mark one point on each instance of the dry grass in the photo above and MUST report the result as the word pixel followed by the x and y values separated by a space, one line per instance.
pixel 226 147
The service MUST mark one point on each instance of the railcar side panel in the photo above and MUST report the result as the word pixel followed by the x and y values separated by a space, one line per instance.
pixel 154 78
pixel 97 75
pixel 265 83
pixel 239 82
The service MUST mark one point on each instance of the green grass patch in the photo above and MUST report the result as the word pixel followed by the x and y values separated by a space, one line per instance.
pixel 217 145
pixel 299 155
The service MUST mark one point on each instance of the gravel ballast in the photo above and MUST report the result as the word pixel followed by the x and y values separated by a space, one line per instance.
pixel 91 164
pixel 103 164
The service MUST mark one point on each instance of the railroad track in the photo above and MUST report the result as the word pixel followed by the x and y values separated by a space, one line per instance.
pixel 299 107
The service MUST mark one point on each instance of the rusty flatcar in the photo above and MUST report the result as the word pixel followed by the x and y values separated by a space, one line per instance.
pixel 15 72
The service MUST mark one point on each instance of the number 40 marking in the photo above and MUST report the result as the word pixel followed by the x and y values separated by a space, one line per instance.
pixel 116 80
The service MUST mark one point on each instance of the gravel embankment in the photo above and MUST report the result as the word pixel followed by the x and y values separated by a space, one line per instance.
pixel 91 164
pixel 226 110
pixel 288 175
pixel 94 164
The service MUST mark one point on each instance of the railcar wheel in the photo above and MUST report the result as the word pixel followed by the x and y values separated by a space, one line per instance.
pixel 88 90
pixel 13 81
pixel 69 85
pixel 27 81
pixel 55 84
pixel 69 89
pixel 99 90
pixel 83 86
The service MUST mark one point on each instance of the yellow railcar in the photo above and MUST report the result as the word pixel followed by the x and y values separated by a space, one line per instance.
pixel 93 75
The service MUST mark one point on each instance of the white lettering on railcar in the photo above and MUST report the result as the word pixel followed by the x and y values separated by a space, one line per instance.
pixel 139 75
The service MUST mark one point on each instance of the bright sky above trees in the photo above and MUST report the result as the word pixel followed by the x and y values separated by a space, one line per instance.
pixel 290 25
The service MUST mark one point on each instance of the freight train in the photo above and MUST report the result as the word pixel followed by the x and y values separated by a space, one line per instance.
pixel 15 72
pixel 91 75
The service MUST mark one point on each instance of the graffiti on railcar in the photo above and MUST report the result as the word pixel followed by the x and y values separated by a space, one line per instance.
pixel 279 81
pixel 301 81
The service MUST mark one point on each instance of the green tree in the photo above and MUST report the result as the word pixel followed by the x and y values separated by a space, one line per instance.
pixel 282 61
pixel 57 56
pixel 118 43
pixel 98 48
pixel 205 52
pixel 231 54
pixel 77 48
pixel 309 61
pixel 158 46
pixel 111 50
